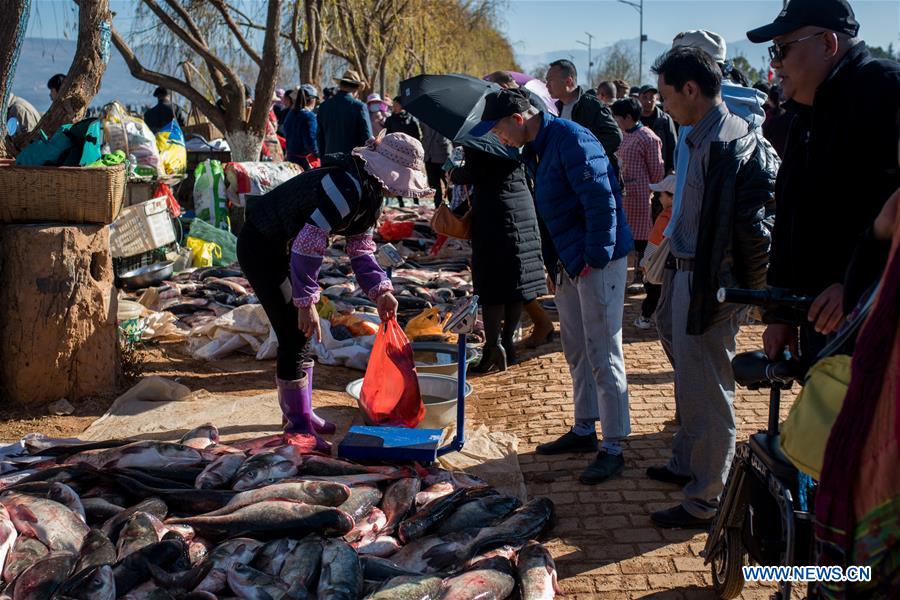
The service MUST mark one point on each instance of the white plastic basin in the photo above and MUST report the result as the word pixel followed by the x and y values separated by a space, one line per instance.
pixel 438 394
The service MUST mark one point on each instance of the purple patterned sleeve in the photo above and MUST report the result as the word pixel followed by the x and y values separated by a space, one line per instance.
pixel 371 277
pixel 306 260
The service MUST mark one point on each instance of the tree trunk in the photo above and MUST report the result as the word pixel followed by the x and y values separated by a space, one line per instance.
pixel 83 79
pixel 245 145
pixel 58 333
pixel 12 33
pixel 310 57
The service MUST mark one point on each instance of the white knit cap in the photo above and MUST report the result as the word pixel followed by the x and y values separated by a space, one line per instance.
pixel 712 43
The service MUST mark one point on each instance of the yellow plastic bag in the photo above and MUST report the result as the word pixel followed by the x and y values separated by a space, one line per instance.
pixel 805 432
pixel 204 252
pixel 427 326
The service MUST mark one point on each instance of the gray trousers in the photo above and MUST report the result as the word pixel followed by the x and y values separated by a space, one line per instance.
pixel 663 315
pixel 704 394
pixel 590 319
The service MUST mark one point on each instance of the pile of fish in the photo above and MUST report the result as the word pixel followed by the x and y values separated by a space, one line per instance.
pixel 262 519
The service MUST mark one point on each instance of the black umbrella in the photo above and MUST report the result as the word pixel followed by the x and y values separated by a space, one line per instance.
pixel 452 106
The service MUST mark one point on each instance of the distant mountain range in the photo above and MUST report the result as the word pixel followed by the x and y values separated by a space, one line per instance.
pixel 754 53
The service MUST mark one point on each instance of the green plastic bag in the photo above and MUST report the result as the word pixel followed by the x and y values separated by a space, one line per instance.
pixel 226 240
pixel 210 201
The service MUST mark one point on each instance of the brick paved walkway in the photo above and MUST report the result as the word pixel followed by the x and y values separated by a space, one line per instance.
pixel 603 542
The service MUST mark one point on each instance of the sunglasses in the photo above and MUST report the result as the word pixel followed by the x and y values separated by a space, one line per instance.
pixel 778 51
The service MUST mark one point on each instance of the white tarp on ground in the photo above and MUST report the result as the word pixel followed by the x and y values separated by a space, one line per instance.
pixel 247 329
pixel 158 408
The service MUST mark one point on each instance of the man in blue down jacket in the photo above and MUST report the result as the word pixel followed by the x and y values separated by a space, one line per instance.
pixel 578 197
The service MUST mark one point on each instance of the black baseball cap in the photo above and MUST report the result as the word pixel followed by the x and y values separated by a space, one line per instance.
pixel 834 15
pixel 499 105
pixel 649 88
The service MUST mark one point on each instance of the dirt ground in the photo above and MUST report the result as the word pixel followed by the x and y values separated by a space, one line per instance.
pixel 603 541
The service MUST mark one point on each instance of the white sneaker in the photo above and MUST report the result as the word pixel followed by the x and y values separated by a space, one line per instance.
pixel 643 322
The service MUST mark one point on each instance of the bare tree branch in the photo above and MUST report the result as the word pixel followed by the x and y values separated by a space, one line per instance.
pixel 268 71
pixel 254 56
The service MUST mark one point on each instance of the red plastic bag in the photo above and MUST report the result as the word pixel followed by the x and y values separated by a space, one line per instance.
pixel 390 391
pixel 163 190
pixel 394 231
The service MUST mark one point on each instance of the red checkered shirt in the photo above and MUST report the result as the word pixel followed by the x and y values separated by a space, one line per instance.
pixel 640 163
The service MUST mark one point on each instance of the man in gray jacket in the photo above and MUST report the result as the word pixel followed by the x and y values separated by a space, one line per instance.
pixel 437 151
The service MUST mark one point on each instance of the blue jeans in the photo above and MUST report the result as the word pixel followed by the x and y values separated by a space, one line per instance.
pixel 590 318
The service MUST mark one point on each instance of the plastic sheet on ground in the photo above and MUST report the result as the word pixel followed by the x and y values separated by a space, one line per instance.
pixel 492 456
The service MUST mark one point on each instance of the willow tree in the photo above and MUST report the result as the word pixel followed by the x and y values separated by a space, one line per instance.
pixel 206 41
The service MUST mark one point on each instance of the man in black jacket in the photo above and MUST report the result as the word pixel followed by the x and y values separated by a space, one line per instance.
pixel 719 240
pixel 661 123
pixel 401 121
pixel 164 112
pixel 575 105
pixel 837 173
pixel 343 121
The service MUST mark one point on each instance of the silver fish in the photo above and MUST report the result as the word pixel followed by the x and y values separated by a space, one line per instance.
pixel 489 579
pixel 52 523
pixel 250 584
pixel 99 509
pixel 141 530
pixel 263 469
pixel 272 556
pixel 272 518
pixel 25 552
pixel 97 583
pixel 220 472
pixel 481 512
pixel 201 437
pixel 383 546
pixel 223 557
pixel 151 454
pixel 366 530
pixel 341 577
pixel 427 517
pixel 434 553
pixel 399 499
pixel 361 501
pixel 323 493
pixel 96 551
pixel 303 564
pixel 537 572
pixel 409 587
pixel 41 580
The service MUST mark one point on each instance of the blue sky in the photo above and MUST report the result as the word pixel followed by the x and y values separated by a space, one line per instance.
pixel 536 26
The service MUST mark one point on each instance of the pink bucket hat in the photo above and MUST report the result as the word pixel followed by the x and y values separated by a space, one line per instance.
pixel 397 161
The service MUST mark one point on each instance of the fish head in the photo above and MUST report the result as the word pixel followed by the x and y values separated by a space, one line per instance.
pixel 98 583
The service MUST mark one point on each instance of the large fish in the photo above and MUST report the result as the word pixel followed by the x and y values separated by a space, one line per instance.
pixel 433 492
pixel 52 523
pixel 234 551
pixel 323 493
pixel 366 529
pixel 97 583
pixel 272 518
pixel 98 509
pixel 383 546
pixel 169 555
pixel 434 553
pixel 141 530
pixel 96 551
pixel 341 577
pixel 160 455
pixel 303 564
pixel 364 479
pixel 56 491
pixel 361 502
pixel 25 552
pixel 481 512
pixel 409 587
pixel 263 469
pixel 436 511
pixel 399 499
pixel 187 500
pixel 490 579
pixel 220 472
pixel 272 556
pixel 537 573
pixel 41 580
pixel 153 506
pixel 250 584
pixel 201 437
pixel 324 466
pixel 382 569
pixel 8 536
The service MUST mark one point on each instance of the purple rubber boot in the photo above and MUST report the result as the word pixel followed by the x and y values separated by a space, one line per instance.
pixel 322 426
pixel 296 408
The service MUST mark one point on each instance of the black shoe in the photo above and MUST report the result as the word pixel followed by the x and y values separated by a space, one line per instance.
pixel 570 442
pixel 493 358
pixel 666 476
pixel 606 465
pixel 678 518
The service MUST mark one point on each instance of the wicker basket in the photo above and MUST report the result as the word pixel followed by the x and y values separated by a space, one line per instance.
pixel 60 194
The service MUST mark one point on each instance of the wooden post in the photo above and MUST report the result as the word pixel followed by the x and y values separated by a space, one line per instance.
pixel 58 330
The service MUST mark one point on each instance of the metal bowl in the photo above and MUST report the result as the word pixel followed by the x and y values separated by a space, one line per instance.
pixel 147 276
pixel 439 394
pixel 446 357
